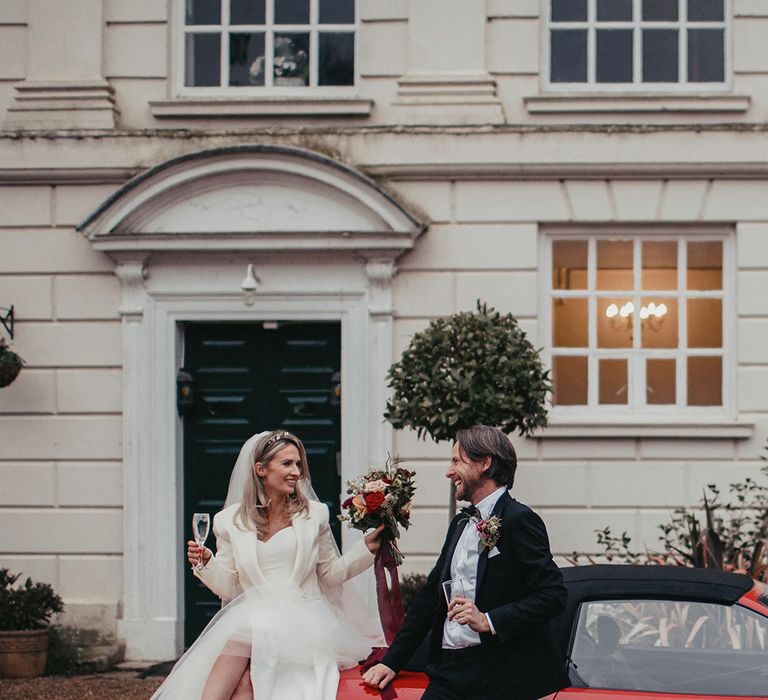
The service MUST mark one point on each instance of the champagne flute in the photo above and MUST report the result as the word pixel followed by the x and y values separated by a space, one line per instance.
pixel 201 523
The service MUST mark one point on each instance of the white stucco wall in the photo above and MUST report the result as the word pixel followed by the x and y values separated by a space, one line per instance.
pixel 62 422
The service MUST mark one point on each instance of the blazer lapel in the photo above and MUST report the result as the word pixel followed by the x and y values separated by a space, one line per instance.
pixel 302 529
pixel 498 509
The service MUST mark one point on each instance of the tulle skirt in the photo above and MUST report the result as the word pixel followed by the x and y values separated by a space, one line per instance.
pixel 296 644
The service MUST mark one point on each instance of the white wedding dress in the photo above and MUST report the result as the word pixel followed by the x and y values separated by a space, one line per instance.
pixel 292 619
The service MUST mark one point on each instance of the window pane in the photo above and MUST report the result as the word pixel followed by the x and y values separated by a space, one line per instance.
pixel 246 59
pixel 202 65
pixel 705 10
pixel 614 10
pixel 659 265
pixel 613 381
pixel 337 58
pixel 660 56
pixel 291 11
pixel 291 67
pixel 660 381
pixel 569 381
pixel 570 323
pixel 246 12
pixel 658 323
pixel 659 10
pixel 665 645
pixel 705 381
pixel 705 265
pixel 706 55
pixel 568 56
pixel 705 323
pixel 569 265
pixel 614 265
pixel 337 11
pixel 614 56
pixel 569 10
pixel 203 12
pixel 614 322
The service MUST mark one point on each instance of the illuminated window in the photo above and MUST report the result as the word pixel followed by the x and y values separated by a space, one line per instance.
pixel 637 322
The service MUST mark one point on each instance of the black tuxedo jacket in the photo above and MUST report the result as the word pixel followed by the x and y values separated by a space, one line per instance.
pixel 521 589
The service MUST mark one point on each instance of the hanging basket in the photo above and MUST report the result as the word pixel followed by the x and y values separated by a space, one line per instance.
pixel 10 365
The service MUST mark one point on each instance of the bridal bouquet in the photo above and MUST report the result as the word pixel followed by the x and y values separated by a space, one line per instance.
pixel 381 496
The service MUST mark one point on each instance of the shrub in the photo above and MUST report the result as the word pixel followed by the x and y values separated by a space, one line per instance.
pixel 467 369
pixel 28 606
pixel 410 584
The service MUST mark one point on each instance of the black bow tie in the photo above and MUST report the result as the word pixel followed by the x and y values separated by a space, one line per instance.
pixel 470 511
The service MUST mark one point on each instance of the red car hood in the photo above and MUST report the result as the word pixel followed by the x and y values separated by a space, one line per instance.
pixel 409 686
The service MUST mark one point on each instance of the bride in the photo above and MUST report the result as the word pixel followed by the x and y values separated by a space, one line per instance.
pixel 289 625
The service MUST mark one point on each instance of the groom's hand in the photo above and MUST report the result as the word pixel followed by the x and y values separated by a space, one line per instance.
pixel 465 612
pixel 378 676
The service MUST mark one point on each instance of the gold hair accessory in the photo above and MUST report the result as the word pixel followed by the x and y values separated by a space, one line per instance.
pixel 280 435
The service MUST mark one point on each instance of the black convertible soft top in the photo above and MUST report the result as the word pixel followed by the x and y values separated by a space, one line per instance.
pixel 647 581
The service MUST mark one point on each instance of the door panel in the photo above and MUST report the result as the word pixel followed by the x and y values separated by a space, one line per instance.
pixel 251 377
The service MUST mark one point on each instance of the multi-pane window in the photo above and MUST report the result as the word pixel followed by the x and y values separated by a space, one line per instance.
pixel 269 43
pixel 637 42
pixel 637 322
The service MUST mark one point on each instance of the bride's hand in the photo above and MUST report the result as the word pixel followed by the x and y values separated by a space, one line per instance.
pixel 195 551
pixel 372 539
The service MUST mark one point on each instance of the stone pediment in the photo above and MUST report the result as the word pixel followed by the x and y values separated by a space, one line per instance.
pixel 252 198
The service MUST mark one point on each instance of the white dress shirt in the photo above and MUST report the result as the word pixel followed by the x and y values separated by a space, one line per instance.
pixel 464 569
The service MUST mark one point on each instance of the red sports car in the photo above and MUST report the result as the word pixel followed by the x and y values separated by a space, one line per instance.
pixel 648 633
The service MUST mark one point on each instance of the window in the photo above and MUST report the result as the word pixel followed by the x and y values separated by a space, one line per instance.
pixel 269 43
pixel 637 322
pixel 648 43
pixel 670 647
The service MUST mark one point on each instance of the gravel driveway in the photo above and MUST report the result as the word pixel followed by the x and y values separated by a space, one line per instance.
pixel 104 686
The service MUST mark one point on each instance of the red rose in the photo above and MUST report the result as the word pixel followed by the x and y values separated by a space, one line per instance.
pixel 347 503
pixel 374 500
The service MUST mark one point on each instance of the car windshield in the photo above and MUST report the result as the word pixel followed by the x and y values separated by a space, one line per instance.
pixel 762 592
pixel 671 646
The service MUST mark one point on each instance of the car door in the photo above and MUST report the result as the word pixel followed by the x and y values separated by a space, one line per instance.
pixel 655 649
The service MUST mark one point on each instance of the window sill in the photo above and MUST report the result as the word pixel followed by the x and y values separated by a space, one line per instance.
pixel 724 430
pixel 267 106
pixel 640 103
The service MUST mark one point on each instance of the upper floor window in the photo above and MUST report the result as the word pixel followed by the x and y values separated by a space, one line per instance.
pixel 638 322
pixel 647 43
pixel 269 43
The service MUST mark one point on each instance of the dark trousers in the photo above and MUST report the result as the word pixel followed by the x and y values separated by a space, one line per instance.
pixel 463 674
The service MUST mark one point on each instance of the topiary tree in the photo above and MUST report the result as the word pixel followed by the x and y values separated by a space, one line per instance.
pixel 469 368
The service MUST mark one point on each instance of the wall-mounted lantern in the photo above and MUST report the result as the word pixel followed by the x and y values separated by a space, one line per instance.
pixel 249 286
pixel 185 393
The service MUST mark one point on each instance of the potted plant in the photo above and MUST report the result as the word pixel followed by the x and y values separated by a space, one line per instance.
pixel 469 368
pixel 24 614
pixel 10 364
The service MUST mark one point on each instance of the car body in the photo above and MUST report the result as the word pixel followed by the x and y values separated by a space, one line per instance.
pixel 645 633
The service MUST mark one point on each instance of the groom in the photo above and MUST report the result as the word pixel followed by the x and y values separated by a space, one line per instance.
pixel 493 642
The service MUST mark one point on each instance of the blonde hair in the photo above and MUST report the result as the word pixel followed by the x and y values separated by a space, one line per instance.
pixel 254 508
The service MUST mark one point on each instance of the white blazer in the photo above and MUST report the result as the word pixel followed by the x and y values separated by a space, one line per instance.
pixel 235 568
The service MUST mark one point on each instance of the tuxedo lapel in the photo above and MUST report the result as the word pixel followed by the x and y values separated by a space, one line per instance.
pixel 445 573
pixel 498 509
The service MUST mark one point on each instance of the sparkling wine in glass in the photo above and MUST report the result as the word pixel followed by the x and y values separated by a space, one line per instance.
pixel 201 524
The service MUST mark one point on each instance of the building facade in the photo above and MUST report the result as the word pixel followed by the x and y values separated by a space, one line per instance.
pixel 598 169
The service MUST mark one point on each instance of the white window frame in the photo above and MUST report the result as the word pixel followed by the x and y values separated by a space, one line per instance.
pixel 179 30
pixel 636 410
pixel 637 25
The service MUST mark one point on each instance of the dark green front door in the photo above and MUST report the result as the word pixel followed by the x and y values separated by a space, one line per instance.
pixel 250 377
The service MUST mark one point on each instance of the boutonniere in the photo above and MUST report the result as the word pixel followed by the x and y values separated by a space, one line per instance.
pixel 489 531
